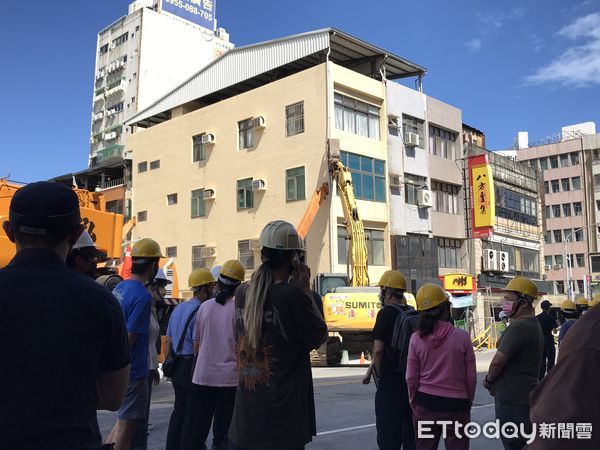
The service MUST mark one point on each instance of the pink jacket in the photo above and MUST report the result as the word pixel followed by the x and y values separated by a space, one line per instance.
pixel 441 364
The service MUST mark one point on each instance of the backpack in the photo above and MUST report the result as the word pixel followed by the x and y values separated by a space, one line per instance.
pixel 405 325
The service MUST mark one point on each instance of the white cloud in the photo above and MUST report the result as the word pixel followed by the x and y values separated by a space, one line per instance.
pixel 474 44
pixel 578 65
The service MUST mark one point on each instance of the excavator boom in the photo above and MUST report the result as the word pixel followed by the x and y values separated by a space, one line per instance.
pixel 318 197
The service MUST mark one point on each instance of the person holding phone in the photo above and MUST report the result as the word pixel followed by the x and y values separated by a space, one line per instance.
pixel 277 325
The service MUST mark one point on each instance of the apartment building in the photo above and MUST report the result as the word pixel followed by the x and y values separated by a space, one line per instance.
pixel 571 186
pixel 248 139
pixel 142 56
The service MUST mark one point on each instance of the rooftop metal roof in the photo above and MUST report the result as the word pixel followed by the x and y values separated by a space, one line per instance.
pixel 254 65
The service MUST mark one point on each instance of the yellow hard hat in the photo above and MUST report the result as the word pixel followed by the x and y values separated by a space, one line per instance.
pixel 393 279
pixel 580 300
pixel 430 296
pixel 568 306
pixel 146 248
pixel 522 285
pixel 233 269
pixel 595 300
pixel 200 277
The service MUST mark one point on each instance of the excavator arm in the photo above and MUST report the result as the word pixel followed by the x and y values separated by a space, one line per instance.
pixel 355 229
pixel 318 197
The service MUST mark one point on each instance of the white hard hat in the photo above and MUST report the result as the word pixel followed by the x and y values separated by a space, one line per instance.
pixel 85 240
pixel 215 271
pixel 162 276
pixel 281 235
pixel 503 315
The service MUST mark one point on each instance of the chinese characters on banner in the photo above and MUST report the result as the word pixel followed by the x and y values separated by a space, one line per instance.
pixel 483 202
pixel 200 12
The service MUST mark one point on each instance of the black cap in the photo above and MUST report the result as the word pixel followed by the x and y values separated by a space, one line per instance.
pixel 545 304
pixel 44 208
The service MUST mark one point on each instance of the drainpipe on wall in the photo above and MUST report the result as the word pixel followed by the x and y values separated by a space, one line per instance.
pixel 332 217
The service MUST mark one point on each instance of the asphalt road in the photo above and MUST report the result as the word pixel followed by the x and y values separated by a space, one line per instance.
pixel 345 410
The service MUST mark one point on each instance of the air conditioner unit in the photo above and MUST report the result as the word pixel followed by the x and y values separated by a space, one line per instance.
pixel 258 185
pixel 547 267
pixel 208 252
pixel 490 260
pixel 208 138
pixel 411 140
pixel 503 265
pixel 424 198
pixel 258 122
pixel 208 194
pixel 111 135
pixel 557 266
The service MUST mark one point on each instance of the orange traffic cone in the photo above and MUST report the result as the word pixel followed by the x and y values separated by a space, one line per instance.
pixel 362 357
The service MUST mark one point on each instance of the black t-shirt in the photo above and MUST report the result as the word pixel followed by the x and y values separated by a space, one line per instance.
pixel 547 322
pixel 274 405
pixel 59 329
pixel 384 331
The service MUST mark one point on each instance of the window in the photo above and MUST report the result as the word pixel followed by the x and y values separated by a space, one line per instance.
pixel 557 236
pixel 171 199
pixel 577 208
pixel 155 164
pixel 394 127
pixel 554 162
pixel 294 182
pixel 142 167
pixel 246 134
pixel 546 187
pixel 548 260
pixel 575 158
pixel 375 246
pixel 294 119
pixel 412 184
pixel 117 107
pixel 104 49
pixel 547 212
pixel 567 210
pixel 533 163
pixel 246 254
pixel 566 186
pixel 171 252
pixel 199 261
pixel 198 207
pixel 121 39
pixel 578 235
pixel 356 117
pixel 198 148
pixel 560 287
pixel 115 206
pixel 413 125
pixel 142 216
pixel 558 260
pixel 598 205
pixel 445 197
pixel 576 182
pixel 543 163
pixel 442 142
pixel 449 252
pixel 580 286
pixel 515 206
pixel 579 258
pixel 548 237
pixel 555 211
pixel 368 176
pixel 564 160
pixel 555 186
pixel 245 196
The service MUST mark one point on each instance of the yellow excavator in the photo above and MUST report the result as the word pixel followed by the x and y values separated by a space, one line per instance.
pixel 349 304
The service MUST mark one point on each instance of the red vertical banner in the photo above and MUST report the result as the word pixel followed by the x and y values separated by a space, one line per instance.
pixel 483 201
pixel 125 271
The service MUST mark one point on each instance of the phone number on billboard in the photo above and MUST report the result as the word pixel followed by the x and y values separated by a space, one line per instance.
pixel 191 9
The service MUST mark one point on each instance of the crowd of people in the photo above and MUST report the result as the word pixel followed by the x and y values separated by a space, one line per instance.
pixel 238 353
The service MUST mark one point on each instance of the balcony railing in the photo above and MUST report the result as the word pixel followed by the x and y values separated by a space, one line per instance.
pixel 112 183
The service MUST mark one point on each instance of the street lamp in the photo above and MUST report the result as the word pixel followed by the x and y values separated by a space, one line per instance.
pixel 568 259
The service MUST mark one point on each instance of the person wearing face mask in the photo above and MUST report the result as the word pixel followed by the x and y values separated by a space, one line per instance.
pixel 277 325
pixel 136 303
pixel 440 374
pixel 180 340
pixel 157 289
pixel 393 415
pixel 513 372
pixel 85 255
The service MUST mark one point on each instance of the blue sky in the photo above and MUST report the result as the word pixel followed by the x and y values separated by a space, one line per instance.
pixel 529 65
